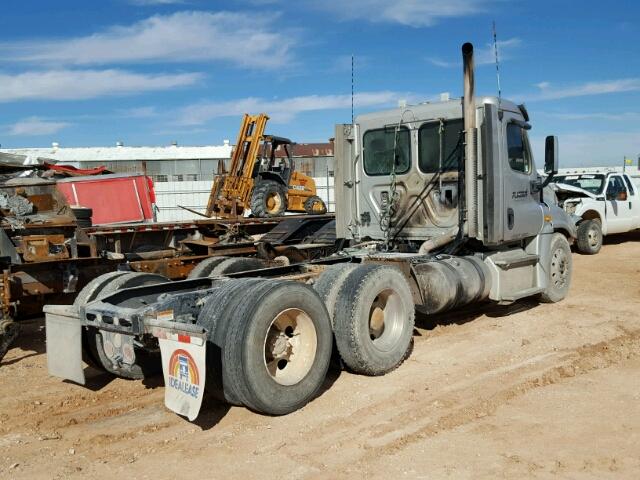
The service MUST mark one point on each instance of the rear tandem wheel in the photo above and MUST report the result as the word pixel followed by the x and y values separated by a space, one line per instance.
pixel 146 363
pixel 274 341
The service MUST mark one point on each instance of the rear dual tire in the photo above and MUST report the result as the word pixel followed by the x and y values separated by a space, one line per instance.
pixel 372 314
pixel 274 350
pixel 220 266
pixel 146 363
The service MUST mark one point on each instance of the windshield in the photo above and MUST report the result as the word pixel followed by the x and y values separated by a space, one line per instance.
pixel 592 183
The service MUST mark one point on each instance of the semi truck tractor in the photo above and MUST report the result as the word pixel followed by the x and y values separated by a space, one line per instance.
pixel 438 205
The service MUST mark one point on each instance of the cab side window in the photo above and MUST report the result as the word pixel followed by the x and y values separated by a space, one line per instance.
pixel 628 182
pixel 429 145
pixel 517 149
pixel 382 147
pixel 615 187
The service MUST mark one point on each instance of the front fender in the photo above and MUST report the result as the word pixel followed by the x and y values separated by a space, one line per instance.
pixel 561 221
pixel 591 210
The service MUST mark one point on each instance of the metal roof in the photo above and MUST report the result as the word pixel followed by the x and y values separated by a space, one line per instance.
pixel 121 153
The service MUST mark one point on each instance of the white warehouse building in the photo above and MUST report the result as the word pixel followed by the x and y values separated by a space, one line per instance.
pixel 182 175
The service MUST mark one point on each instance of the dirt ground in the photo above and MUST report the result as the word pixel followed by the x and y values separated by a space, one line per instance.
pixel 521 391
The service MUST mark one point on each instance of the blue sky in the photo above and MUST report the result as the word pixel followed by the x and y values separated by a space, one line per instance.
pixel 148 72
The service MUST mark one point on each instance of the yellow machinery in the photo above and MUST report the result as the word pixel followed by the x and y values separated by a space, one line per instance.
pixel 261 180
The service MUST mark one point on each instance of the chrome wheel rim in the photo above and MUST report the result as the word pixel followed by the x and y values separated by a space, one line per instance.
pixel 593 237
pixel 559 268
pixel 290 346
pixel 386 319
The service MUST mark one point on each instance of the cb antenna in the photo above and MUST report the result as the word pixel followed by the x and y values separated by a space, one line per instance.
pixel 495 51
pixel 352 88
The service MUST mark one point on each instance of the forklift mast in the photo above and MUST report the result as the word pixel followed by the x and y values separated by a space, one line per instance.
pixel 231 191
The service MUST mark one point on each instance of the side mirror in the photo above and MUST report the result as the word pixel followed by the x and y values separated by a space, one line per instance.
pixel 551 161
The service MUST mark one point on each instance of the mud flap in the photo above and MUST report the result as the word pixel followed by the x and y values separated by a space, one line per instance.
pixel 184 369
pixel 64 343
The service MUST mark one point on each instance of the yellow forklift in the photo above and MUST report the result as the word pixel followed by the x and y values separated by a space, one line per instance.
pixel 261 180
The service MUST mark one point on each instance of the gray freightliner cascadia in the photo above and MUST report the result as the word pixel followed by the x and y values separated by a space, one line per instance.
pixel 437 205
pixel 457 174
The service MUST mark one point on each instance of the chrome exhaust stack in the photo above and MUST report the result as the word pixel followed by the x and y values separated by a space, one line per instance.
pixel 471 137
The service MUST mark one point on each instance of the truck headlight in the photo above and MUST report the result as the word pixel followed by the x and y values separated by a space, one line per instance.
pixel 570 208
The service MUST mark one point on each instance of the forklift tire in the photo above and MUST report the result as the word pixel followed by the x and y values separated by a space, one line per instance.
pixel 314 205
pixel 236 265
pixel 203 269
pixel 330 283
pixel 278 347
pixel 147 363
pixel 589 239
pixel 92 289
pixel 374 319
pixel 559 270
pixel 269 199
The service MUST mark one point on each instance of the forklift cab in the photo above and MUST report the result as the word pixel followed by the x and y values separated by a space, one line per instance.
pixel 270 165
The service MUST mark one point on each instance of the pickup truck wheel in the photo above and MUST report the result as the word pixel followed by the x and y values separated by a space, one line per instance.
pixel 203 269
pixel 277 349
pixel 236 265
pixel 589 239
pixel 330 283
pixel 146 363
pixel 559 269
pixel 374 319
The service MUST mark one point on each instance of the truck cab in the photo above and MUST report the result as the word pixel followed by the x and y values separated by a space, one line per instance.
pixel 404 177
pixel 600 203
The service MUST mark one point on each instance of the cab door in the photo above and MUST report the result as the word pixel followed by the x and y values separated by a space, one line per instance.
pixel 634 202
pixel 523 214
pixel 619 204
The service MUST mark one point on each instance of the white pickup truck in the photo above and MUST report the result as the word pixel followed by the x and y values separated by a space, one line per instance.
pixel 601 203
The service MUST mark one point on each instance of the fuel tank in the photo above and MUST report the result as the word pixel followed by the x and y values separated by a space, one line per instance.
pixel 448 282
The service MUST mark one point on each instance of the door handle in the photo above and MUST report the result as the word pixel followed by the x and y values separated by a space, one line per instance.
pixel 510 218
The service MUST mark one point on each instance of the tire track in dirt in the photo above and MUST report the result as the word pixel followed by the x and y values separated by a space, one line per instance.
pixel 579 362
pixel 369 432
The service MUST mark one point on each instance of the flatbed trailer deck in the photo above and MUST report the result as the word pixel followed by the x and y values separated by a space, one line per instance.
pixel 57 260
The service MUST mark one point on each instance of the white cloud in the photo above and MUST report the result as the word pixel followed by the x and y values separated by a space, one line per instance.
pixel 85 84
pixel 283 110
pixel 591 149
pixel 547 91
pixel 484 55
pixel 34 126
pixel 414 13
pixel 242 39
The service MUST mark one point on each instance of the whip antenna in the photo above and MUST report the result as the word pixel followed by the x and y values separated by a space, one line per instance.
pixel 495 51
pixel 351 89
